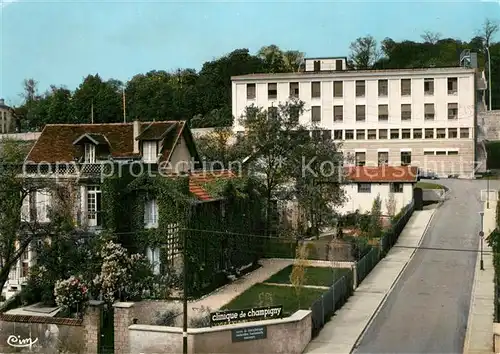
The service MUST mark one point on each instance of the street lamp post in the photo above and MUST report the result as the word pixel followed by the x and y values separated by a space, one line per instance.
pixel 489 76
pixel 487 189
pixel 481 237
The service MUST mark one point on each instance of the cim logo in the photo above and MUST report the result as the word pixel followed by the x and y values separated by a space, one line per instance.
pixel 17 342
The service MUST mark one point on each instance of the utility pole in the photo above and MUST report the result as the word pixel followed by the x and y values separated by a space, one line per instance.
pixel 92 112
pixel 481 237
pixel 124 106
pixel 185 295
pixel 489 76
pixel 487 189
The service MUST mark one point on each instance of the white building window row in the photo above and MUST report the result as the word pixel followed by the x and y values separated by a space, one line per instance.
pixel 405 88
pixel 393 134
pixel 383 113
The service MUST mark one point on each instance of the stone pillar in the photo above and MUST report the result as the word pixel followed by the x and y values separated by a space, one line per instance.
pixel 92 326
pixel 123 318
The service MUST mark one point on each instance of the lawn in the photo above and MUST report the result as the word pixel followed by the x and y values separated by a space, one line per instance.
pixel 319 276
pixel 428 185
pixel 280 295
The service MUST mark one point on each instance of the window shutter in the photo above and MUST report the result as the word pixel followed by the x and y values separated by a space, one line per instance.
pixel 156 258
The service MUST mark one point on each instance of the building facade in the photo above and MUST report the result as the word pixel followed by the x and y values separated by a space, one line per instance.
pixel 6 118
pixel 422 117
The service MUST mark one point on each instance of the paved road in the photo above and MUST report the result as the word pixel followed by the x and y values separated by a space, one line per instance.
pixel 427 310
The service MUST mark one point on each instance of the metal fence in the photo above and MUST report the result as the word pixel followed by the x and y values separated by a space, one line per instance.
pixel 391 236
pixel 332 300
pixel 365 265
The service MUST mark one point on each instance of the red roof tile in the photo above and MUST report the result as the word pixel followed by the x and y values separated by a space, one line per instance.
pixel 55 143
pixel 382 174
pixel 198 178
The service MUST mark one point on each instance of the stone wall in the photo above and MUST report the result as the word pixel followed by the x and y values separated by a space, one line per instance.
pixel 51 335
pixel 289 335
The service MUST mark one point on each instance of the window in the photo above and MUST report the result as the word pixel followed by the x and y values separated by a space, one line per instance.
pixel 349 134
pixel 417 133
pixel 360 158
pixel 294 89
pixel 405 87
pixel 383 112
pixel 337 135
pixel 440 152
pixel 372 134
pixel 396 187
pixel 316 134
pixel 405 158
pixel 406 134
pixel 394 133
pixel 360 88
pixel 464 133
pixel 153 255
pixel 327 135
pixel 89 153
pixel 272 91
pixel 151 214
pixel 429 133
pixel 364 188
pixel 452 152
pixel 317 65
pixel 429 111
pixel 441 133
pixel 452 85
pixel 43 201
pixel 383 88
pixel 360 134
pixel 149 152
pixel 338 65
pixel 428 152
pixel 26 209
pixel 272 112
pixel 428 87
pixel 452 110
pixel 338 113
pixel 338 89
pixel 383 158
pixel 382 134
pixel 452 133
pixel 316 89
pixel 251 91
pixel 360 113
pixel 406 112
pixel 316 113
pixel 94 205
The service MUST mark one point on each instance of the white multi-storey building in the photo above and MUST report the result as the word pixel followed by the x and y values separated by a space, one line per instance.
pixel 423 117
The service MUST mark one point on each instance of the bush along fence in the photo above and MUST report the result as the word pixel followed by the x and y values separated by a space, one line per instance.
pixel 332 300
pixel 494 241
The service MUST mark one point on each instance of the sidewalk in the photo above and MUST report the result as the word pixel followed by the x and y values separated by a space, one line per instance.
pixel 479 335
pixel 340 334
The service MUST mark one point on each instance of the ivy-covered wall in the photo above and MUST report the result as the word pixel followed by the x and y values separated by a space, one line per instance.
pixel 221 235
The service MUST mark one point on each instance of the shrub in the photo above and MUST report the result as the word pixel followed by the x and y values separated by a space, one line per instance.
pixel 201 320
pixel 166 318
pixel 71 294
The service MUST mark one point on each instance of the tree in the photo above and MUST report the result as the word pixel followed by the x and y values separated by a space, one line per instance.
pixel 364 53
pixel 390 204
pixel 298 274
pixel 17 232
pixel 221 146
pixel 488 31
pixel 375 230
pixel 431 37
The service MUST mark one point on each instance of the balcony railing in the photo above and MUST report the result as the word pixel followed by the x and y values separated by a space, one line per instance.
pixel 68 169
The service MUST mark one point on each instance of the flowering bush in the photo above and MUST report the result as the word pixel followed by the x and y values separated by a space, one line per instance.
pixel 71 294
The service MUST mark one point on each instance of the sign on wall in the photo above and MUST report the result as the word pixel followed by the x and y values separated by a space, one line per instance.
pixel 249 333
pixel 253 314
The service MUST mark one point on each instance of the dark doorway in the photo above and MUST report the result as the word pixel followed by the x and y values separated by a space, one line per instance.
pixel 107 342
pixel 418 196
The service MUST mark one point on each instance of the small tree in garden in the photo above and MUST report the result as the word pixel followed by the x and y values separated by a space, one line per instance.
pixel 298 274
pixel 265 299
pixel 71 295
pixel 390 204
pixel 376 218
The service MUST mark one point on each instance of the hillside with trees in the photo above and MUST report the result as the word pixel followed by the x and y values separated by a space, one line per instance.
pixel 204 97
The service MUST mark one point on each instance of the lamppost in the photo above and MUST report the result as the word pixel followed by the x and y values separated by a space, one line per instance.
pixel 487 189
pixel 481 237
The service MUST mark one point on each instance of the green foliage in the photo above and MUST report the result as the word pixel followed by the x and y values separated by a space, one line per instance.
pixel 375 228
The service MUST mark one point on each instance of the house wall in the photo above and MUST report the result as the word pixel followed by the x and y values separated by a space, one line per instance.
pixel 364 201
pixel 6 120
pixel 181 157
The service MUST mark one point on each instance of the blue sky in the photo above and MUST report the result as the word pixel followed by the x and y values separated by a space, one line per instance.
pixel 60 42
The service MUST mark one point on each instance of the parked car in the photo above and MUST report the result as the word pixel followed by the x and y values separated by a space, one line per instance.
pixel 426 174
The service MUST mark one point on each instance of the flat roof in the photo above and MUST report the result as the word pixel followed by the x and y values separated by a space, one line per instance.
pixel 355 73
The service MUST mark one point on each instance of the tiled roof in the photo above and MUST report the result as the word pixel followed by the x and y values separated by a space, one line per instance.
pixel 41 319
pixel 198 179
pixel 55 143
pixel 382 174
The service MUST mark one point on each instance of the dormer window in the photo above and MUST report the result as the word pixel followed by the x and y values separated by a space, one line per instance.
pixel 150 151
pixel 89 153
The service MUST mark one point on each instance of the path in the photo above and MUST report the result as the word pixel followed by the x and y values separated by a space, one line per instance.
pixel 428 309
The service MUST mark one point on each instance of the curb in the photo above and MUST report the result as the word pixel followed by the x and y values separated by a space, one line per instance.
pixel 379 307
pixel 469 317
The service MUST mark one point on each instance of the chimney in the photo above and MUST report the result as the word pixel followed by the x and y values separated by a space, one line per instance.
pixel 136 125
pixel 2 102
